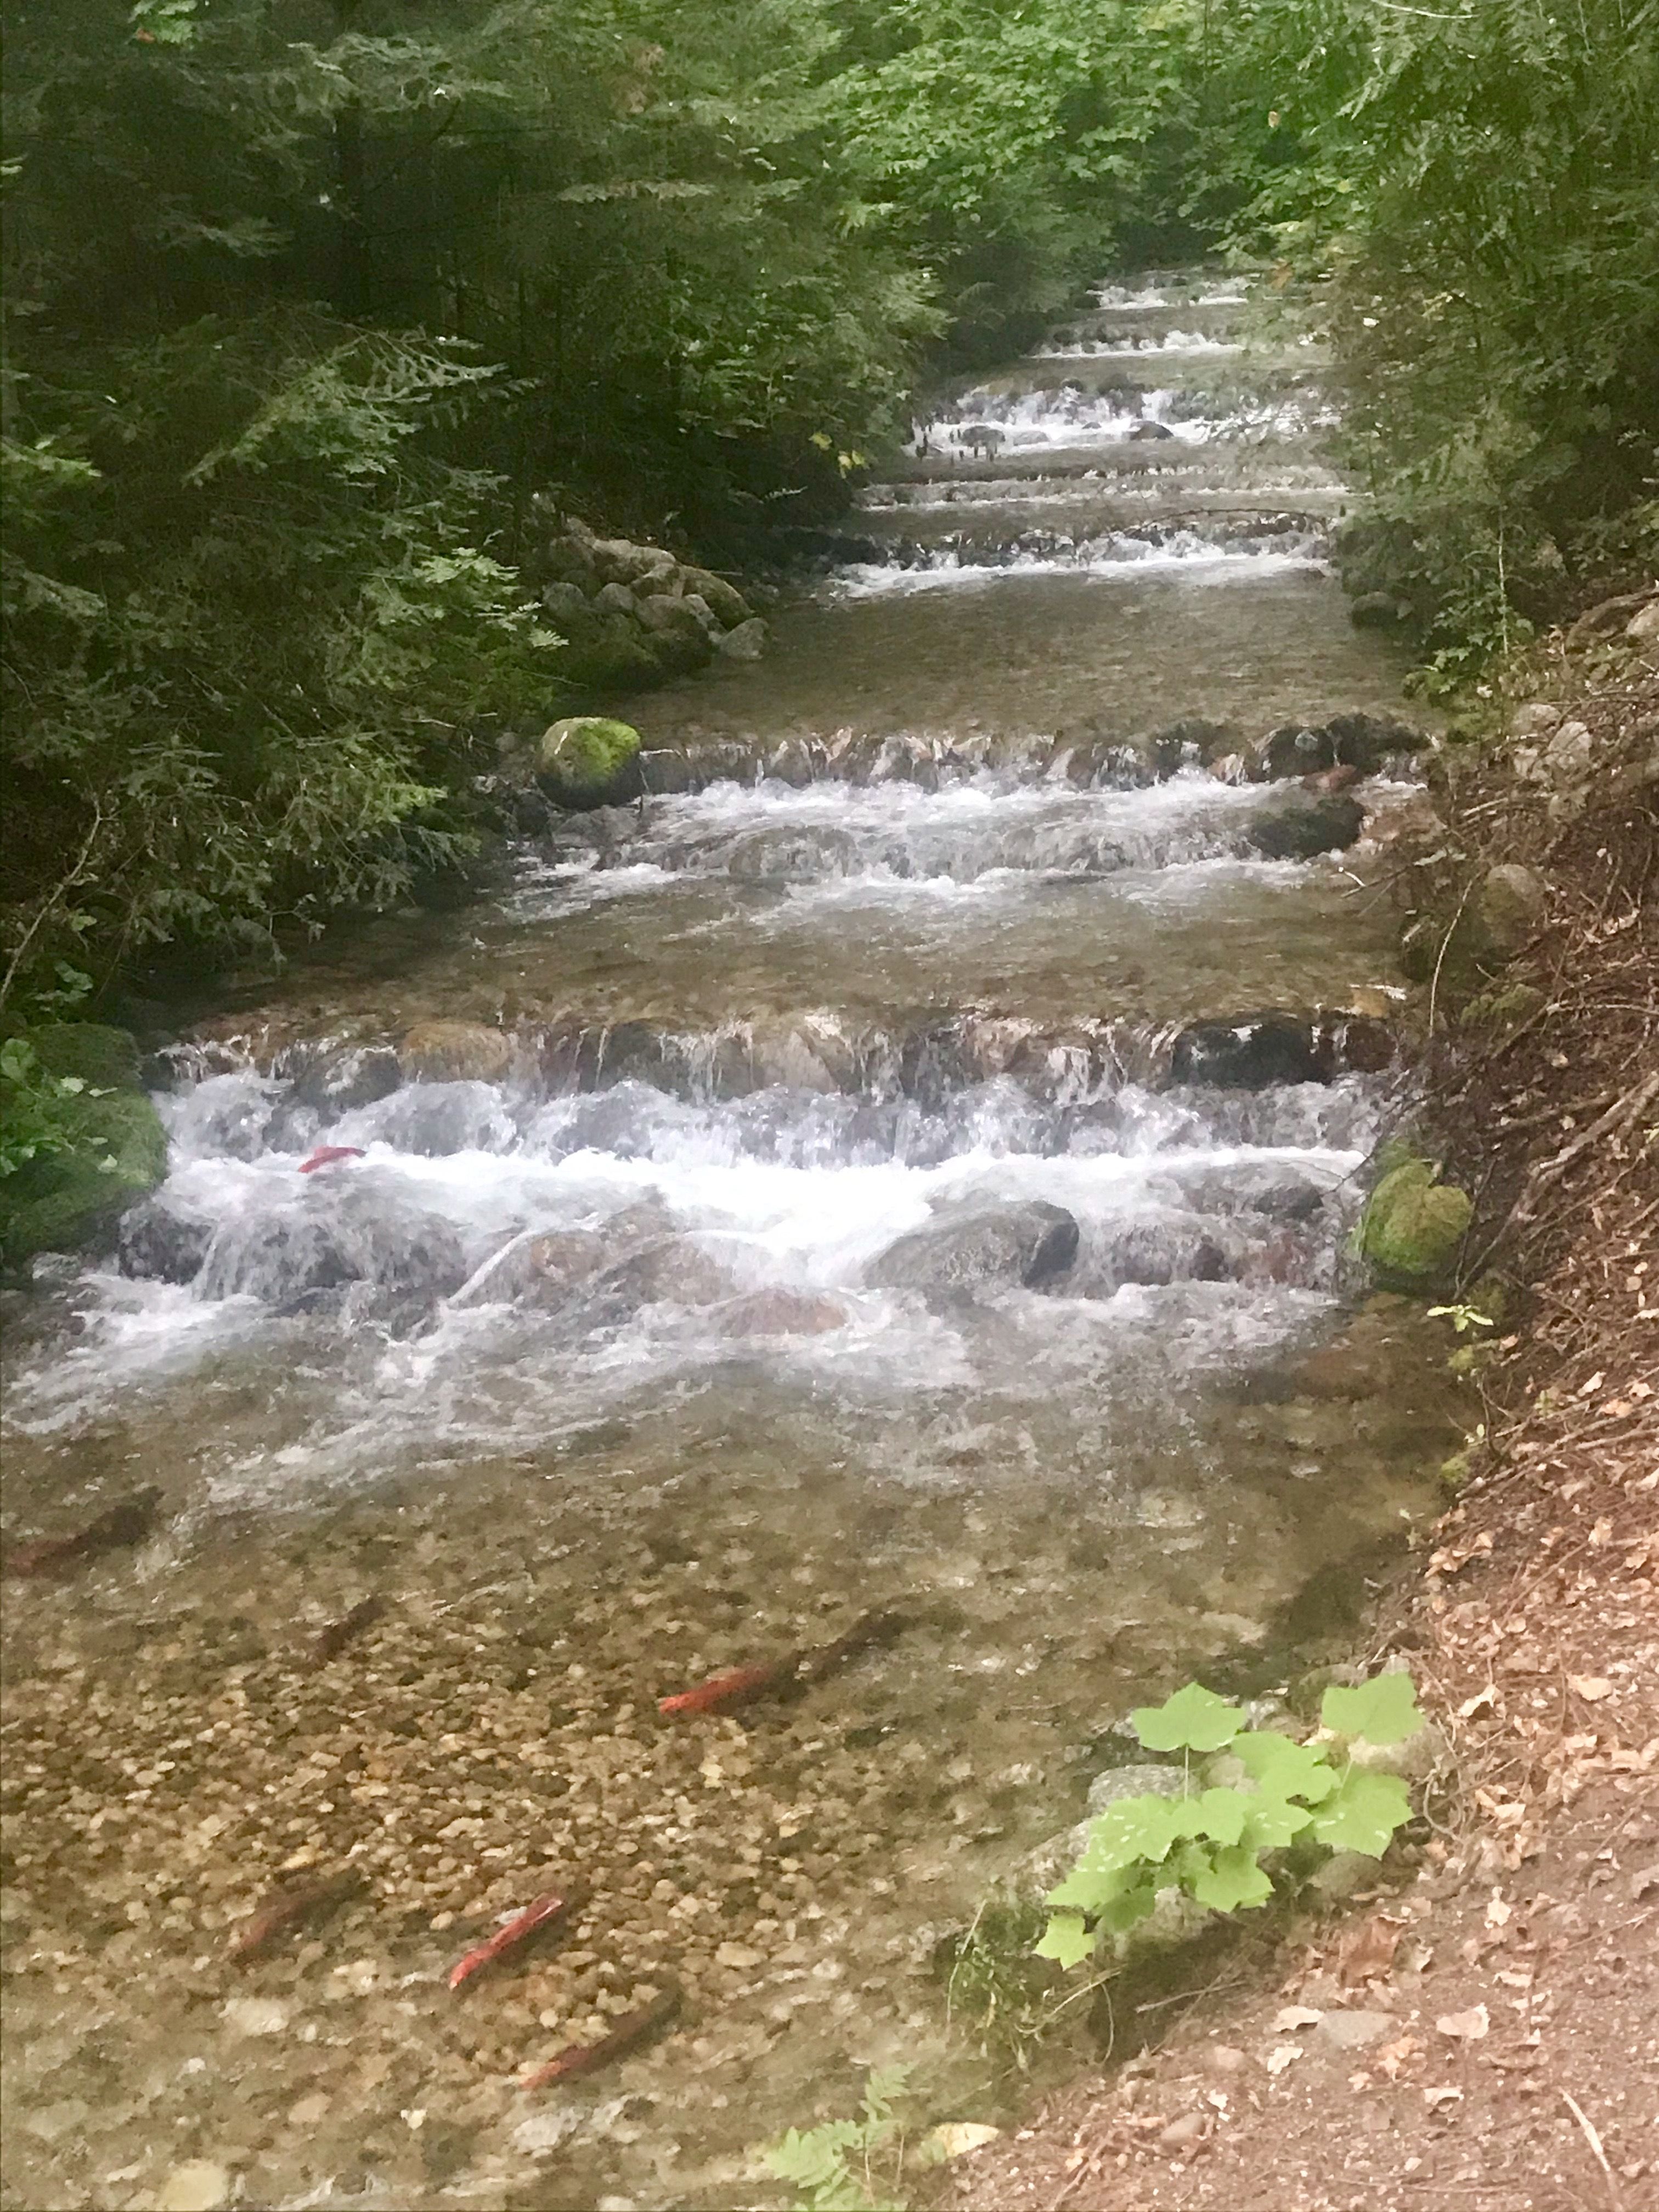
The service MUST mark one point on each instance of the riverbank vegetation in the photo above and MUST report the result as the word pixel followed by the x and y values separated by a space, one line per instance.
pixel 307 301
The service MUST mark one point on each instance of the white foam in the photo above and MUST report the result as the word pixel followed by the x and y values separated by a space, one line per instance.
pixel 1194 561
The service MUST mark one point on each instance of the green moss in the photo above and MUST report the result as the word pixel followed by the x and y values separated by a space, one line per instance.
pixel 103 1058
pixel 116 1150
pixel 588 760
pixel 1500 1013
pixel 1413 1226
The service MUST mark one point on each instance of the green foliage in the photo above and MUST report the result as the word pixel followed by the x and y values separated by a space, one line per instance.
pixel 78 1139
pixel 833 2166
pixel 1462 1317
pixel 1210 1842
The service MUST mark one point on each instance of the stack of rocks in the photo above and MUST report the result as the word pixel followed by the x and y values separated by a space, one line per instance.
pixel 632 614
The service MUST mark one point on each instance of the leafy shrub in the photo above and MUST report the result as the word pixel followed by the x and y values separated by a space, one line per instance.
pixel 832 2166
pixel 1211 1843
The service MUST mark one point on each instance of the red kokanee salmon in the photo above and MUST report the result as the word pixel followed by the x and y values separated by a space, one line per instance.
pixel 121 1526
pixel 287 1907
pixel 779 1677
pixel 326 1155
pixel 584 2058
pixel 736 1687
pixel 543 1913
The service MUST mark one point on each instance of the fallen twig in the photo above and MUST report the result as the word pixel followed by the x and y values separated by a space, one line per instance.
pixel 1595 2142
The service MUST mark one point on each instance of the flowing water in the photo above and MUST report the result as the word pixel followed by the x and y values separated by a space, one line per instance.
pixel 792 1196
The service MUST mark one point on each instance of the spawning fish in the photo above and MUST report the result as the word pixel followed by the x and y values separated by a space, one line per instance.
pixel 286 1908
pixel 736 1687
pixel 543 1913
pixel 326 1155
pixel 120 1527
pixel 584 2058
pixel 333 1639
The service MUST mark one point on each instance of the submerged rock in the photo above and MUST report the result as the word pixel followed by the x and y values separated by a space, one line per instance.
pixel 974 1244
pixel 1150 1251
pixel 161 1242
pixel 455 1052
pixel 782 1313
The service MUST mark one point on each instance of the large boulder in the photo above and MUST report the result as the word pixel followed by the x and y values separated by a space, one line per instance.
pixel 1300 824
pixel 978 1244
pixel 1413 1226
pixel 686 621
pixel 1370 743
pixel 619 561
pixel 91 1052
pixel 589 760
pixel 565 602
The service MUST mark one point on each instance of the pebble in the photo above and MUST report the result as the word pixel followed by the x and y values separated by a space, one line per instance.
pixel 1182 2133
pixel 198 2185
pixel 255 2016
pixel 1353 2031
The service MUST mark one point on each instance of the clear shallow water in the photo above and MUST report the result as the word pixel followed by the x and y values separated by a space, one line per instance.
pixel 640 1347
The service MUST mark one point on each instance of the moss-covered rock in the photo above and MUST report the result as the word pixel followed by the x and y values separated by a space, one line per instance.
pixel 114 1151
pixel 727 602
pixel 1500 1012
pixel 1413 1226
pixel 588 760
pixel 92 1053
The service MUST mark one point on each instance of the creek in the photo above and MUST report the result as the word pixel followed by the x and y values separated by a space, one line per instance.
pixel 699 1280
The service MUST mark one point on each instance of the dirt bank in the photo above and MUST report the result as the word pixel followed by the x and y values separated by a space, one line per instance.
pixel 1481 2030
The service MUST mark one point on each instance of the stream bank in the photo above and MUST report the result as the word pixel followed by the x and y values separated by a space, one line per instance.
pixel 1481 2028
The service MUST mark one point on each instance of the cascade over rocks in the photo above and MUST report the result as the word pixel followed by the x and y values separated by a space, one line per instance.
pixel 1373 743
pixel 1249 1051
pixel 442 1052
pixel 160 1241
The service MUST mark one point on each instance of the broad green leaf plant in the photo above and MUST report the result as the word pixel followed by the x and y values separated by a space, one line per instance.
pixel 1249 1794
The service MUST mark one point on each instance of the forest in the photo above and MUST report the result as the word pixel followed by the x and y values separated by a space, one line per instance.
pixel 306 301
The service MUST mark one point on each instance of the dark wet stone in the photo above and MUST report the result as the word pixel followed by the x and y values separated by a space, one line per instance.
pixel 970 1245
pixel 1247 1052
pixel 1304 823
pixel 161 1242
